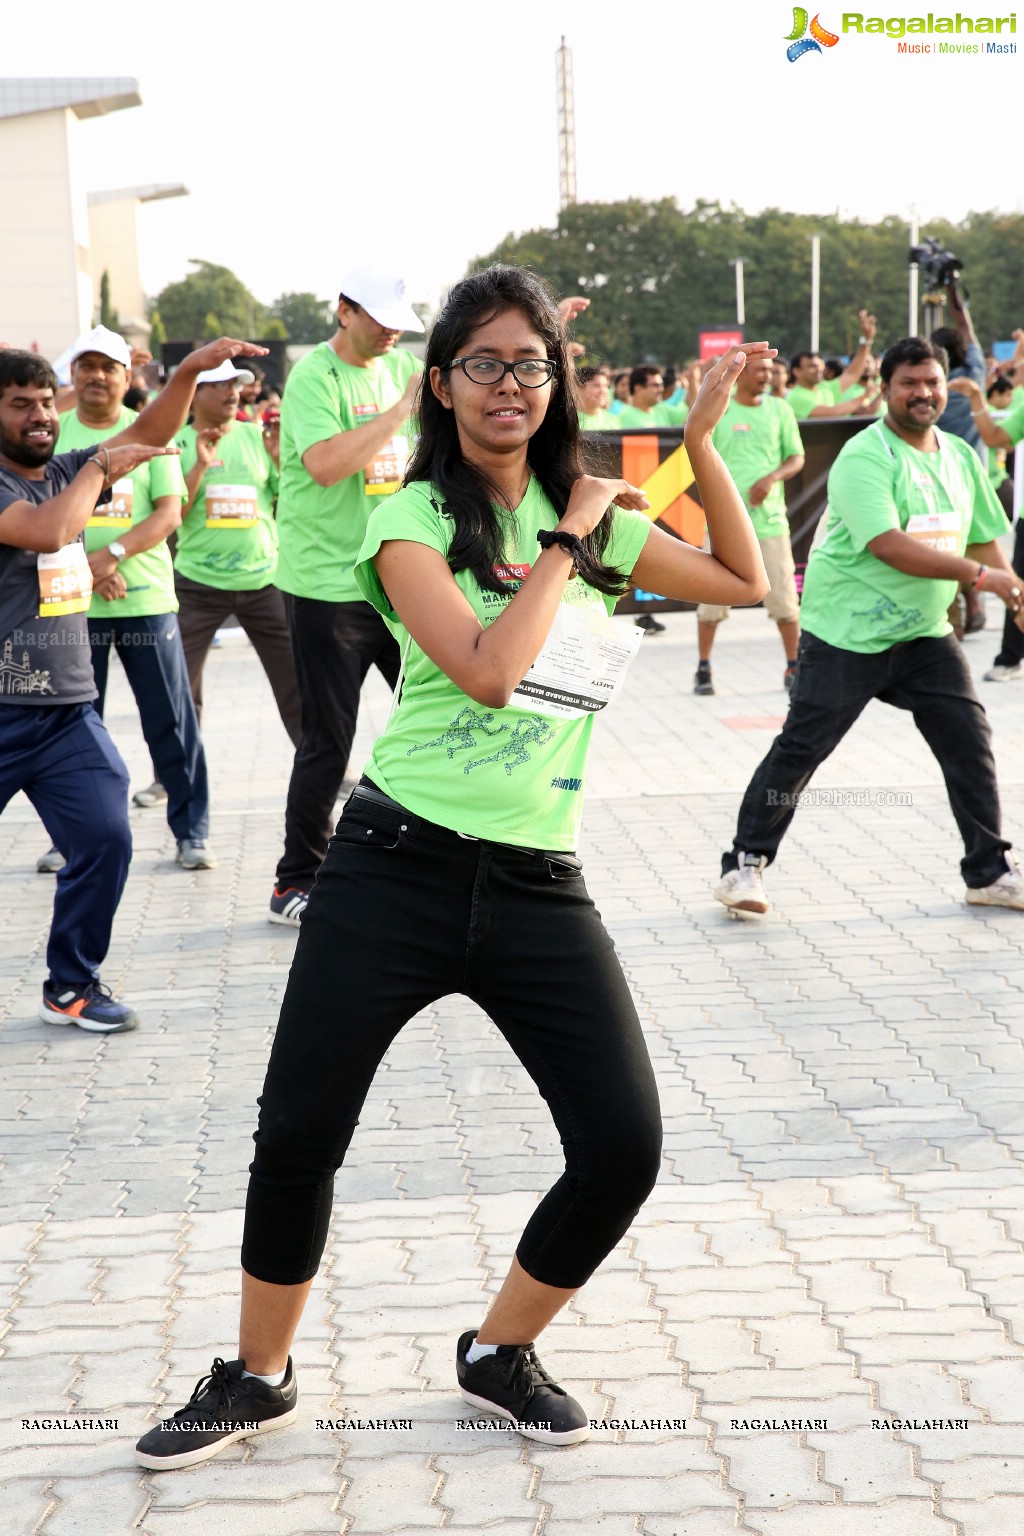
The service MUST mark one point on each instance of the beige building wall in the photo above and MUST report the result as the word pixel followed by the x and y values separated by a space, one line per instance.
pixel 45 278
pixel 114 243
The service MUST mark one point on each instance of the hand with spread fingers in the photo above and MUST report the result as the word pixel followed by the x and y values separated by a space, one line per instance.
pixel 716 388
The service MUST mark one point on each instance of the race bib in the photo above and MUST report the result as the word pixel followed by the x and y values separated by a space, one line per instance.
pixel 118 511
pixel 231 506
pixel 939 529
pixel 582 666
pixel 65 581
pixel 384 473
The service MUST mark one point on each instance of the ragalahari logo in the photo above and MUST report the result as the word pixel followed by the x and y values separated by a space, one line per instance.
pixel 800 43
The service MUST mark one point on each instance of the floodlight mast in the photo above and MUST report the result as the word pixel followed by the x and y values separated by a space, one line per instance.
pixel 566 128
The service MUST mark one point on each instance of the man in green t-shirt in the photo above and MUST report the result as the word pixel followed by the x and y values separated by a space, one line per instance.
pixel 226 556
pixel 593 390
pixel 759 441
pixel 812 395
pixel 344 424
pixel 134 607
pixel 910 515
pixel 646 406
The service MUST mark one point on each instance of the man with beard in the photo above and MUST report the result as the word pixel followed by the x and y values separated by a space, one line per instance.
pixel 134 606
pixel 53 744
pixel 910 515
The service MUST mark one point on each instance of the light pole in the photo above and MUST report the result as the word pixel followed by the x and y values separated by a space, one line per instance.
pixel 815 289
pixel 741 313
pixel 915 236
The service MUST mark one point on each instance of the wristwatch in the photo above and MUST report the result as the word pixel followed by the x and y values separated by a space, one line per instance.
pixel 117 549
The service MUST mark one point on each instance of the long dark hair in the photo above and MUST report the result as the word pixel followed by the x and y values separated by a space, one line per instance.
pixel 467 494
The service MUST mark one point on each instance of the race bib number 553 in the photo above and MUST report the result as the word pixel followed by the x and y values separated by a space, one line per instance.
pixel 65 581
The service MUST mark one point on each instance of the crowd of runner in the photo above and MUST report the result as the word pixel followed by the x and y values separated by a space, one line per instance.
pixel 442 522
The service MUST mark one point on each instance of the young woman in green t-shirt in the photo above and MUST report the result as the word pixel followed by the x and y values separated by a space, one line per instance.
pixel 452 867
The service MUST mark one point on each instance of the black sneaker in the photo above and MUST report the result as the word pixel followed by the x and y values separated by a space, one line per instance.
pixel 287 906
pixel 225 1406
pixel 514 1385
pixel 702 678
pixel 648 622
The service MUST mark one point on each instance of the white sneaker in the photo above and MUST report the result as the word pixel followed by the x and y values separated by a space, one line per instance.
pixel 741 889
pixel 997 673
pixel 1007 891
pixel 154 795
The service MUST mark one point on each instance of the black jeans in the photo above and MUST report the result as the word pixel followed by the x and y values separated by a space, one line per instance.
pixel 334 646
pixel 403 913
pixel 930 678
pixel 261 615
pixel 1011 653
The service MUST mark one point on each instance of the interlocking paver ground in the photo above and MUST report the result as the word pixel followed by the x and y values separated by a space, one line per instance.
pixel 837 1235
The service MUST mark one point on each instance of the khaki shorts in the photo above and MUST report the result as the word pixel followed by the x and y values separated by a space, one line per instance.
pixel 781 604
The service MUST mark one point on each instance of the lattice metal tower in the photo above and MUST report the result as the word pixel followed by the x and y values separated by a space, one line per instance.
pixel 566 128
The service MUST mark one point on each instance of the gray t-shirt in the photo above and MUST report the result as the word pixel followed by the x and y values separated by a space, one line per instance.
pixel 42 660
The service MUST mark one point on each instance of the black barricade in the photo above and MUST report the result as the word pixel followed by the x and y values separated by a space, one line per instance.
pixel 657 462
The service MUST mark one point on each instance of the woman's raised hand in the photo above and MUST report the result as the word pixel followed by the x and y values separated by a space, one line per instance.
pixel 590 499
pixel 716 388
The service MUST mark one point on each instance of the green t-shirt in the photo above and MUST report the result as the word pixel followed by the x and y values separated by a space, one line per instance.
pixel 753 440
pixel 803 401
pixel 879 482
pixel 1013 422
pixel 510 775
pixel 598 421
pixel 321 528
pixel 149 576
pixel 228 537
pixel 631 417
pixel 671 415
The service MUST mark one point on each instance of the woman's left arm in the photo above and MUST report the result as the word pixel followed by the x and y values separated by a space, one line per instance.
pixel 732 574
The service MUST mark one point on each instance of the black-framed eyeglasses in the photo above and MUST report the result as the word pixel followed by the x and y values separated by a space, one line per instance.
pixel 529 372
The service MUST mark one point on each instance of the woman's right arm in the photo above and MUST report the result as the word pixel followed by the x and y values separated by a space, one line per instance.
pixel 489 664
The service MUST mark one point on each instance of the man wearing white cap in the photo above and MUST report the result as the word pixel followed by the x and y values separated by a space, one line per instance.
pixel 134 606
pixel 226 557
pixel 344 419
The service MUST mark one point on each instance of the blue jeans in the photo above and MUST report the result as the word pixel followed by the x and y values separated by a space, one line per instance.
pixel 70 770
pixel 404 912
pixel 930 678
pixel 154 662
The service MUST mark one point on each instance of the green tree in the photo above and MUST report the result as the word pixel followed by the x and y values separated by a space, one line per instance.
pixel 185 305
pixel 274 330
pixel 212 327
pixel 157 332
pixel 108 314
pixel 305 317
pixel 657 275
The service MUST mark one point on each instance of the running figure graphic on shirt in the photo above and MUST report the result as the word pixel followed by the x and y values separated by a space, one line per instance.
pixel 459 737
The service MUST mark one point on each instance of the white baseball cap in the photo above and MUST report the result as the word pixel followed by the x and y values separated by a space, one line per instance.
pixel 225 373
pixel 382 295
pixel 107 343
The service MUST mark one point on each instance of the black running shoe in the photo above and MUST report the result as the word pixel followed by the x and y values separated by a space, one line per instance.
pixel 514 1385
pixel 702 679
pixel 224 1407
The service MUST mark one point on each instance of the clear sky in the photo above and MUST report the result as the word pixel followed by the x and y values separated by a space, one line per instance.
pixel 314 136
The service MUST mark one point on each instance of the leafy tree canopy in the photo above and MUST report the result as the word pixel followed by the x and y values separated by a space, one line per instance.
pixel 210 290
pixel 305 317
pixel 657 275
